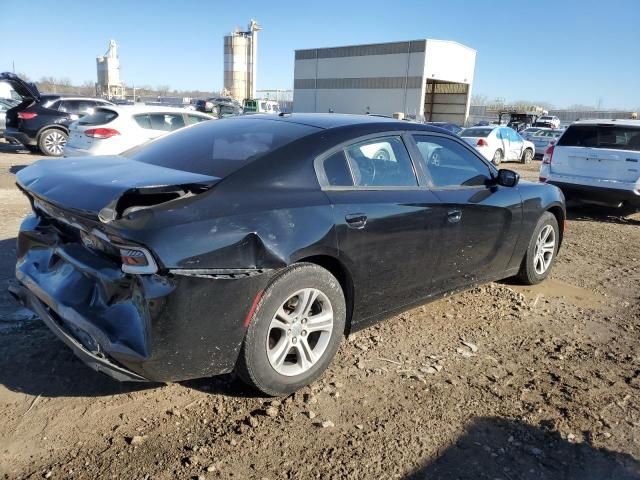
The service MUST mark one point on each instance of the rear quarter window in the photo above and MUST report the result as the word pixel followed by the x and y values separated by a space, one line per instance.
pixel 616 137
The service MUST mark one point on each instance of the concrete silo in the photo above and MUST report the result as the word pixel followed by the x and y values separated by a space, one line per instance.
pixel 109 84
pixel 240 56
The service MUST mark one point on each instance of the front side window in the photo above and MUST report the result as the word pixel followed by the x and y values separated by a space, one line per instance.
pixel 450 164
pixel 381 162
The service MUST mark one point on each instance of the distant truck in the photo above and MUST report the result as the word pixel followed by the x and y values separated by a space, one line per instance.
pixel 518 117
pixel 261 106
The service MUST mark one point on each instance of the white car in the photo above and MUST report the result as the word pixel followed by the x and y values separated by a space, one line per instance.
pixel 547 121
pixel 497 143
pixel 113 130
pixel 597 161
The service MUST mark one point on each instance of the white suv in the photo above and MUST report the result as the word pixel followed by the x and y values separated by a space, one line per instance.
pixel 597 161
pixel 113 130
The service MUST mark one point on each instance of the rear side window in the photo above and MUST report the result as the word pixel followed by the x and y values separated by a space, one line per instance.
pixel 76 106
pixel 617 137
pixel 166 121
pixel 381 162
pixel 191 119
pixel 100 117
pixel 218 148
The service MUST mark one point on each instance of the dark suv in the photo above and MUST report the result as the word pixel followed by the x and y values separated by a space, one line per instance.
pixel 42 121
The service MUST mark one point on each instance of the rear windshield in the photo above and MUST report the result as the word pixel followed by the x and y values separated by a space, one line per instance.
pixel 99 117
pixel 476 132
pixel 219 148
pixel 617 137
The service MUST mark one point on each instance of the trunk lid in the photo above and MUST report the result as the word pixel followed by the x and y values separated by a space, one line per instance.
pixel 601 151
pixel 108 186
pixel 28 91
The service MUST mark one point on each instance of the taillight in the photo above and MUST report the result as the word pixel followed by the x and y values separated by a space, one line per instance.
pixel 548 154
pixel 482 143
pixel 101 132
pixel 27 115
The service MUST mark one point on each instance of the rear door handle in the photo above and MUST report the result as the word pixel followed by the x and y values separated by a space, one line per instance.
pixel 356 220
pixel 454 216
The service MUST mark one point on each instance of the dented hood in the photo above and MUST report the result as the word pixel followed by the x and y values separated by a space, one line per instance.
pixel 89 184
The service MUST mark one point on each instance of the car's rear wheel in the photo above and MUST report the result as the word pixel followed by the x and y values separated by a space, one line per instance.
pixel 541 251
pixel 295 330
pixel 527 156
pixel 497 157
pixel 52 142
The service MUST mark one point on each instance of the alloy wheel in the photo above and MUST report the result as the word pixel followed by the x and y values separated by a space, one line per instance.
pixel 299 332
pixel 54 143
pixel 545 249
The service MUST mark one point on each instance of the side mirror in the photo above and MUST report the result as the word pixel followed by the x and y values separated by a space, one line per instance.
pixel 508 178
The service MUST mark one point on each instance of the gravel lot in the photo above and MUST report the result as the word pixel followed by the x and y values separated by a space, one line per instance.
pixel 499 382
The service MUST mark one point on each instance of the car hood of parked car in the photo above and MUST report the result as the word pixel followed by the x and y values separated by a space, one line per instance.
pixel 108 187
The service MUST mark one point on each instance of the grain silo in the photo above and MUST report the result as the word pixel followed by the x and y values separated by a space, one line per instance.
pixel 109 84
pixel 240 56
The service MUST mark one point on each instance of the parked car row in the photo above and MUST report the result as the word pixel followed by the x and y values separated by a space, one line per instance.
pixel 80 126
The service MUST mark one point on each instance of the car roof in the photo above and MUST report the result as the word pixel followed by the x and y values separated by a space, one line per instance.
pixel 335 120
pixel 150 109
pixel 601 121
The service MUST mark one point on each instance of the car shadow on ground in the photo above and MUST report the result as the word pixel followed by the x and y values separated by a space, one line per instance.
pixel 493 448
pixel 577 212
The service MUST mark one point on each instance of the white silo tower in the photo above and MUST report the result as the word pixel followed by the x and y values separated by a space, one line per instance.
pixel 240 61
pixel 109 84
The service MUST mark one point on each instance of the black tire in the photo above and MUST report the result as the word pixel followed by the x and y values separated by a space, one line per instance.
pixel 527 156
pixel 52 141
pixel 498 156
pixel 254 366
pixel 528 274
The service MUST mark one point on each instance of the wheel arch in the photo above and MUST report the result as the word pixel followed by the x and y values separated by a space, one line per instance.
pixel 344 277
pixel 51 127
pixel 558 212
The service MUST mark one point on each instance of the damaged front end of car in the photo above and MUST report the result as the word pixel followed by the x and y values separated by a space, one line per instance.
pixel 115 264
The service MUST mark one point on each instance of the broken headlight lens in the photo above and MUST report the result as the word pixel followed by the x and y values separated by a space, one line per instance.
pixel 137 260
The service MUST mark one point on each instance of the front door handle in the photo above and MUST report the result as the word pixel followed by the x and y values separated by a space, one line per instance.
pixel 356 220
pixel 454 216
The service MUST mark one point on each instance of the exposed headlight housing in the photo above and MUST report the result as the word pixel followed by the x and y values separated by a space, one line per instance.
pixel 137 260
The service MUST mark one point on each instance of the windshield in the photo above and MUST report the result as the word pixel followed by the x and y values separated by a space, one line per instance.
pixel 219 148
pixel 476 132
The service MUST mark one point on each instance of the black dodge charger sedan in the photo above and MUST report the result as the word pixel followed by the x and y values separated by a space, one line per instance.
pixel 256 243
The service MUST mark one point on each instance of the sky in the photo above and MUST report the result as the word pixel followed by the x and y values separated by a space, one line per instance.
pixel 560 52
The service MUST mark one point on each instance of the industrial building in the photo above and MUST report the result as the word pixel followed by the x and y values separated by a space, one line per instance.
pixel 430 79
pixel 109 84
pixel 240 57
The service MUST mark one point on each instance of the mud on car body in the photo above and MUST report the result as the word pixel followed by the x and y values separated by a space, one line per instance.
pixel 255 243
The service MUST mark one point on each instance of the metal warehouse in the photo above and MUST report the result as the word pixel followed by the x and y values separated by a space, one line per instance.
pixel 429 78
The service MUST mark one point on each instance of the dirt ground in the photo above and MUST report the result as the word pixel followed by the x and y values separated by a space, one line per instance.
pixel 500 382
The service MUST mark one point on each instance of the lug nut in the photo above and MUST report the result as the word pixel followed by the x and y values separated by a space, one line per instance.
pixel 304 333
pixel 304 320
pixel 294 340
pixel 288 332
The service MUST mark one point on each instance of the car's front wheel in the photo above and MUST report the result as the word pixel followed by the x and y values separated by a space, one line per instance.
pixel 295 330
pixel 541 251
pixel 52 142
